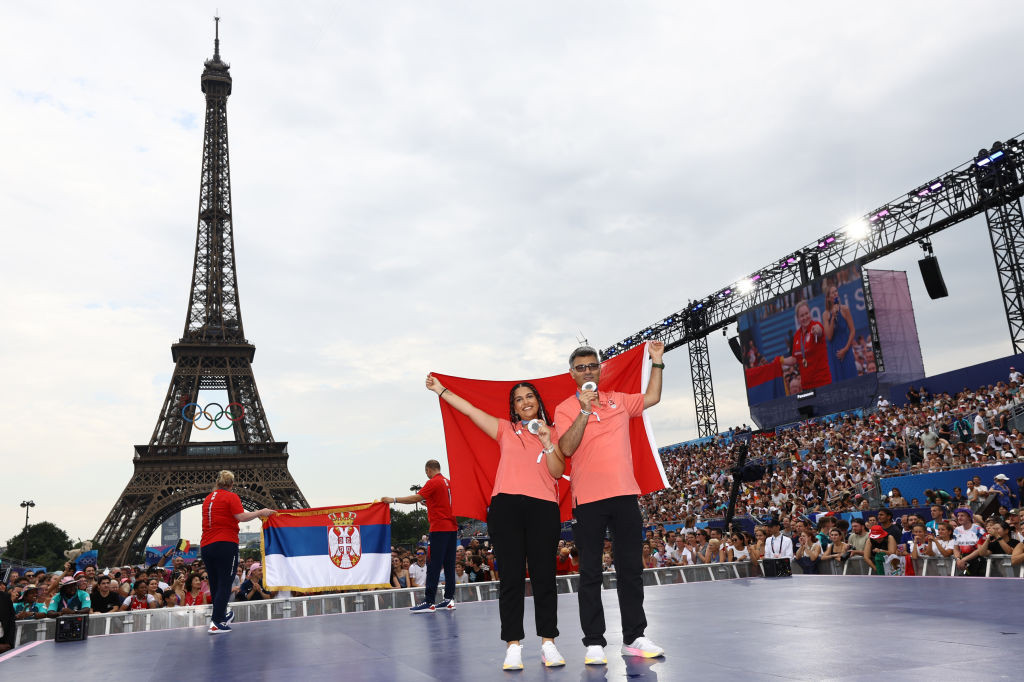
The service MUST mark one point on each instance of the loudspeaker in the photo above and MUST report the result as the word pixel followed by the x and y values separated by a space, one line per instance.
pixel 777 568
pixel 989 506
pixel 71 628
pixel 932 276
pixel 737 349
pixel 806 411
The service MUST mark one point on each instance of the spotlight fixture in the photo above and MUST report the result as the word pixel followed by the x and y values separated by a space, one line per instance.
pixel 857 230
pixel 745 286
pixel 985 158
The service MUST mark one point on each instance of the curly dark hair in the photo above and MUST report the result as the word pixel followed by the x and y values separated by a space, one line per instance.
pixel 512 416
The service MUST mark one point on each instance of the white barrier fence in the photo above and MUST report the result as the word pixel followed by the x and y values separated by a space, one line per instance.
pixel 377 600
pixel 349 602
pixel 996 566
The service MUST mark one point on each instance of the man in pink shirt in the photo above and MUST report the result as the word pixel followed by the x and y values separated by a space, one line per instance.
pixel 594 428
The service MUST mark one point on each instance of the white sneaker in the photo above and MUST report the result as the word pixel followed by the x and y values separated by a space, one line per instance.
pixel 595 655
pixel 550 655
pixel 513 657
pixel 641 646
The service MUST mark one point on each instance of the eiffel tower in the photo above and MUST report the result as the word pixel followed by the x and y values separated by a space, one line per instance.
pixel 172 473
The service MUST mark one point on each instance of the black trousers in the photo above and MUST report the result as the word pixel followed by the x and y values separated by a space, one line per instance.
pixel 221 559
pixel 7 619
pixel 622 515
pixel 525 530
pixel 442 555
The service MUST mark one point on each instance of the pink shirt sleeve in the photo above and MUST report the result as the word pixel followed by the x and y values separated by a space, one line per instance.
pixel 634 403
pixel 565 415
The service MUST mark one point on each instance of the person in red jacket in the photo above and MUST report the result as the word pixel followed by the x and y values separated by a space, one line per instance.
pixel 810 350
pixel 436 494
pixel 222 512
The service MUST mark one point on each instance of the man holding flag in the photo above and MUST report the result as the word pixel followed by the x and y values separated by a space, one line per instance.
pixel 436 494
pixel 595 433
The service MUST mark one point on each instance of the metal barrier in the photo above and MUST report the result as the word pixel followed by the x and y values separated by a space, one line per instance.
pixel 855 565
pixel 350 602
pixel 996 566
pixel 377 600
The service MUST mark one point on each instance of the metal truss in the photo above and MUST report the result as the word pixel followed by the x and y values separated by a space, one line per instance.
pixel 172 473
pixel 989 183
pixel 1006 230
pixel 213 311
pixel 201 368
pixel 925 210
pixel 703 390
pixel 167 480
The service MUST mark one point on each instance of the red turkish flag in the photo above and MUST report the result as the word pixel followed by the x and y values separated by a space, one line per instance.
pixel 473 456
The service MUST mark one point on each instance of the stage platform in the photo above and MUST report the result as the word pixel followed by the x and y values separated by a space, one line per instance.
pixel 800 628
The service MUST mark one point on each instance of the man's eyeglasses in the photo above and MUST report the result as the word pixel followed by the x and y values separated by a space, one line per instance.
pixel 591 366
pixel 420 554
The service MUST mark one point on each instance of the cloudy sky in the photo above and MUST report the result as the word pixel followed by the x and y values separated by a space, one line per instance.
pixel 449 186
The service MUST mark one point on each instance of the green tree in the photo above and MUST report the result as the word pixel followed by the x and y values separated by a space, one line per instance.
pixel 408 527
pixel 250 553
pixel 46 545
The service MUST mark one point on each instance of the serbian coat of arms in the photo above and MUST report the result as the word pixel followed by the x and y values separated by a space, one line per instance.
pixel 343 540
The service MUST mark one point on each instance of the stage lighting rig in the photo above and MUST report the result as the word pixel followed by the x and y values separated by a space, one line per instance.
pixel 857 230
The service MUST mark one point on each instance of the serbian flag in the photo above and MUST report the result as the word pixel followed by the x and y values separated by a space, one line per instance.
pixel 473 456
pixel 328 548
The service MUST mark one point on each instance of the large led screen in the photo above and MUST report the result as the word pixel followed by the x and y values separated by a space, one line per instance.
pixel 817 335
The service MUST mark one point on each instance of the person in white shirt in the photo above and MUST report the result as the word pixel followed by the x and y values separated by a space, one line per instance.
pixel 971 542
pixel 777 545
pixel 680 555
pixel 418 570
pixel 980 433
pixel 1015 376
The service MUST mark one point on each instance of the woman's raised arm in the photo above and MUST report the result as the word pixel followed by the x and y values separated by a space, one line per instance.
pixel 485 422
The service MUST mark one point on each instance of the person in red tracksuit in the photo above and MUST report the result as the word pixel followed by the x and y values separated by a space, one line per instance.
pixel 222 511
pixel 436 494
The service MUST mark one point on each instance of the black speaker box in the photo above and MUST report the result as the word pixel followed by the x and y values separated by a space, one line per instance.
pixel 777 568
pixel 71 628
pixel 737 350
pixel 806 411
pixel 932 276
pixel 989 506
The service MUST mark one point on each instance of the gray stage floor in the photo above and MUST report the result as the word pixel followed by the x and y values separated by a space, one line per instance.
pixel 803 628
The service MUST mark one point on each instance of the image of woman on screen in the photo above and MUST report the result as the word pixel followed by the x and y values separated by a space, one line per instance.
pixel 839 330
pixel 810 350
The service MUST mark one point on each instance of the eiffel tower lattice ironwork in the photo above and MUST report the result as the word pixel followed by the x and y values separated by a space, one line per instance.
pixel 172 473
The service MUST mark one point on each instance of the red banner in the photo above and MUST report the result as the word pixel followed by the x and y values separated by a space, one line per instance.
pixel 473 456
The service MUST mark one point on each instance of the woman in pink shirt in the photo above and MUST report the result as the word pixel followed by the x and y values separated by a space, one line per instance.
pixel 523 517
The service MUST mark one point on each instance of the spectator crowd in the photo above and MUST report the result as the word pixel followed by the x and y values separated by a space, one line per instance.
pixel 812 472
pixel 42 594
pixel 830 466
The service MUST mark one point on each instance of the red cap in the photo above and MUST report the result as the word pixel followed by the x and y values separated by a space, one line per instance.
pixel 877 533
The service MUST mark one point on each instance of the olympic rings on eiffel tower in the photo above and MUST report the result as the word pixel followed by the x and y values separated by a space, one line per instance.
pixel 232 413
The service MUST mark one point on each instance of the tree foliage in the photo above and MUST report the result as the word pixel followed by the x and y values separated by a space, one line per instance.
pixel 249 553
pixel 408 527
pixel 46 545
